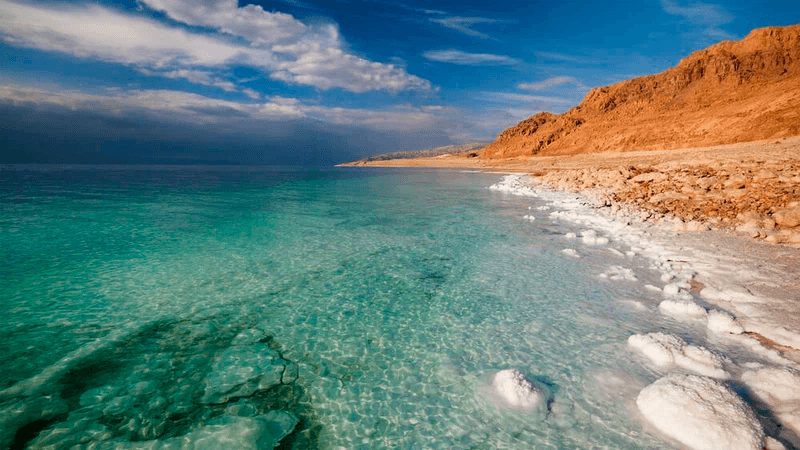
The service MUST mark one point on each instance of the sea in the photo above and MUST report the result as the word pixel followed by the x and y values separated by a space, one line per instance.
pixel 160 307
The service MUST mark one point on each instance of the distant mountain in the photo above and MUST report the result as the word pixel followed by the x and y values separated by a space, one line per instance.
pixel 734 91
pixel 426 153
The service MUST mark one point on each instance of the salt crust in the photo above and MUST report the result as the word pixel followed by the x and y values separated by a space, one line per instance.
pixel 653 240
pixel 682 308
pixel 667 351
pixel 590 237
pixel 780 389
pixel 722 322
pixel 619 273
pixel 518 391
pixel 701 413
pixel 571 252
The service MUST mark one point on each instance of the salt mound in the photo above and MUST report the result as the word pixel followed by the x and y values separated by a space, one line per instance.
pixel 519 391
pixel 589 237
pixel 571 252
pixel 619 273
pixel 666 350
pixel 722 322
pixel 682 308
pixel 701 413
pixel 780 389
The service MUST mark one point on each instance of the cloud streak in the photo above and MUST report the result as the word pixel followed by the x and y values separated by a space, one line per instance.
pixel 277 44
pixel 178 106
pixel 550 83
pixel 709 17
pixel 464 25
pixel 462 58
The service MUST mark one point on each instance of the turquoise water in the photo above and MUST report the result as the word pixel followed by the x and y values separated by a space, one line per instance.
pixel 146 305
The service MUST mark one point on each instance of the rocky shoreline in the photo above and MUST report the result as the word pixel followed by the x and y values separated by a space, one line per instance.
pixel 751 188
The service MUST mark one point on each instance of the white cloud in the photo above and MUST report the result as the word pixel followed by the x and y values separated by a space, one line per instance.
pixel 549 83
pixel 252 93
pixel 280 45
pixel 698 13
pixel 305 55
pixel 195 108
pixel 709 17
pixel 500 97
pixel 100 33
pixel 464 25
pixel 250 22
pixel 459 57
pixel 199 77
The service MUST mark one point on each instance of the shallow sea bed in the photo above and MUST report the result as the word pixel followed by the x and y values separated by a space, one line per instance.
pixel 251 307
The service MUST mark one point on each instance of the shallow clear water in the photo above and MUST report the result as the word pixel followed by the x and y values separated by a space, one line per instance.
pixel 387 300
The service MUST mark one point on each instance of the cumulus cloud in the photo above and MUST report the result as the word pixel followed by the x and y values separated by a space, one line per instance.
pixel 104 34
pixel 276 43
pixel 549 83
pixel 250 22
pixel 459 57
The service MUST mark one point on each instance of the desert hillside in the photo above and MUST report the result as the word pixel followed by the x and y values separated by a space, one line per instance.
pixel 734 91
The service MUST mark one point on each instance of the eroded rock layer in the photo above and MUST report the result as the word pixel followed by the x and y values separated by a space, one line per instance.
pixel 734 91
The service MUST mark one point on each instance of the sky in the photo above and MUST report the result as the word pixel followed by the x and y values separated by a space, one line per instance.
pixel 308 82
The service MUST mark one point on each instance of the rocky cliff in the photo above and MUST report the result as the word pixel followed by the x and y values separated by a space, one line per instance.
pixel 731 92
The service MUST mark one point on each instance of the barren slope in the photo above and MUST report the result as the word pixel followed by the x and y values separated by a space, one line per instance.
pixel 739 91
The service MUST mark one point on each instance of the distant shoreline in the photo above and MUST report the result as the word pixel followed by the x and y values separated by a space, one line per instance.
pixel 747 187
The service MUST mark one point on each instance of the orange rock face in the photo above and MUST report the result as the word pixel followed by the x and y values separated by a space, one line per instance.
pixel 732 92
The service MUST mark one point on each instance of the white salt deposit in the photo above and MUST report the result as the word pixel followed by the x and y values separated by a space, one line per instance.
pixel 570 235
pixel 675 290
pixel 701 413
pixel 529 217
pixel 589 237
pixel 779 388
pixel 634 304
pixel 682 309
pixel 571 252
pixel 734 279
pixel 652 288
pixel 616 252
pixel 730 295
pixel 668 351
pixel 723 323
pixel 519 391
pixel 619 273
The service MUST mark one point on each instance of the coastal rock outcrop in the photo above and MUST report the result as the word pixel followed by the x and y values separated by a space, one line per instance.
pixel 734 91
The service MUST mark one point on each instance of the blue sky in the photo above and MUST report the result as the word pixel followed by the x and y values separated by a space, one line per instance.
pixel 313 82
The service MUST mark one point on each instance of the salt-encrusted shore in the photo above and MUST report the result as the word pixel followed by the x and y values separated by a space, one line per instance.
pixel 718 224
pixel 740 290
pixel 751 187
